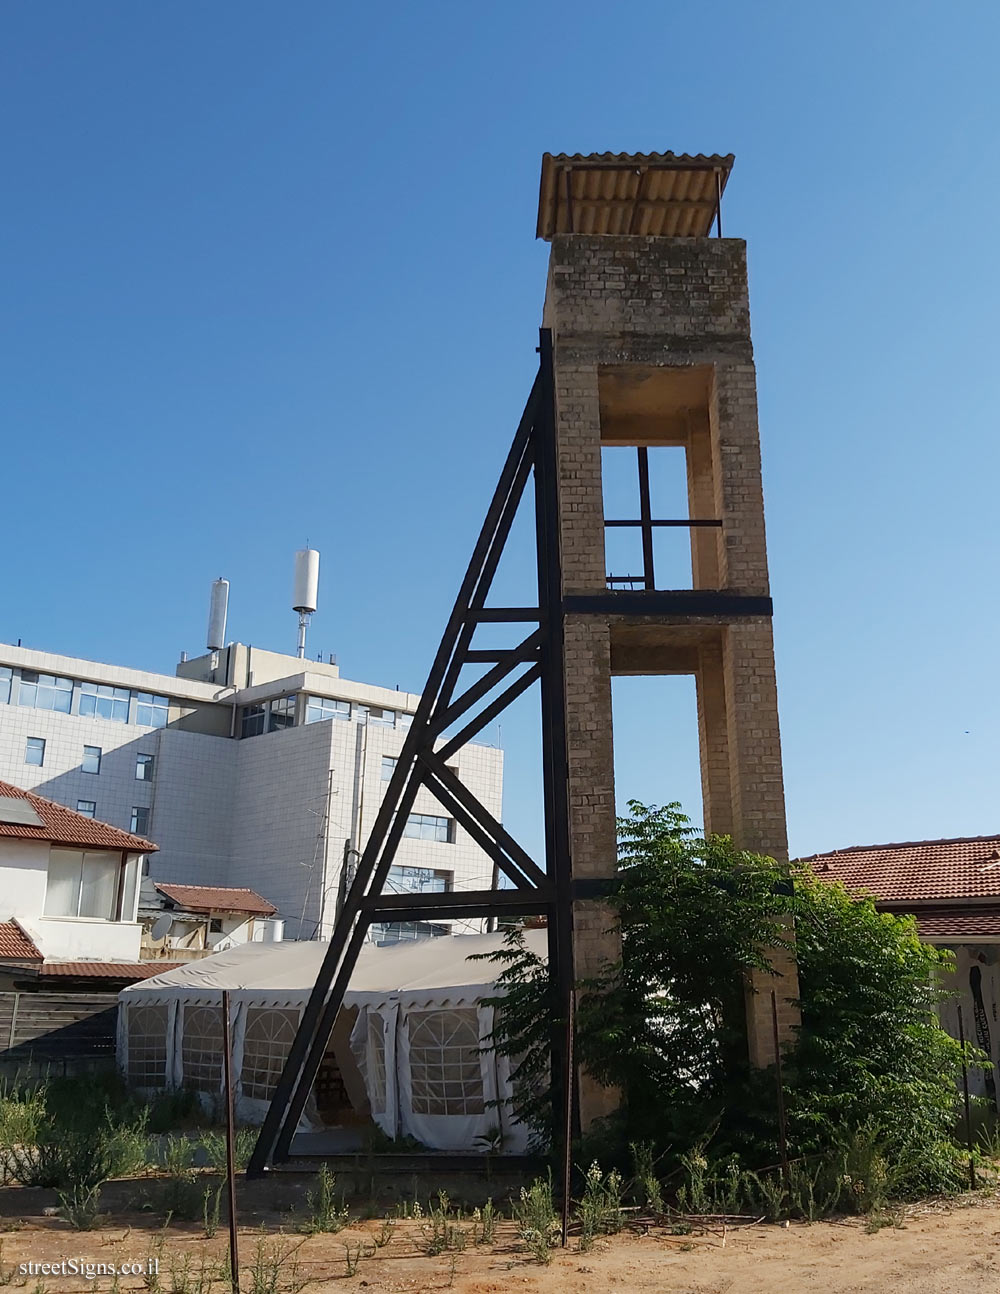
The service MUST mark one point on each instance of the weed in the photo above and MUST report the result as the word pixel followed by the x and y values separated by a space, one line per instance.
pixel 452 1268
pixel 7 1274
pixel 486 1223
pixel 353 1255
pixel 536 1218
pixel 645 1182
pixel 600 1209
pixel 210 1209
pixel 187 1278
pixel 214 1145
pixel 325 1214
pixel 440 1232
pixel 274 1268
pixel 80 1207
pixel 384 1233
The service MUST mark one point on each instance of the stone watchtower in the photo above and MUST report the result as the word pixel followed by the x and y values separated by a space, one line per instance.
pixel 651 342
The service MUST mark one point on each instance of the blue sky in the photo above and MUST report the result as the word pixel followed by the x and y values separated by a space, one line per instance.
pixel 269 274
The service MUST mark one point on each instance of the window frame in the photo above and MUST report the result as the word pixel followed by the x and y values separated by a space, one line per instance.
pixel 54 685
pixel 93 808
pixel 31 744
pixel 150 764
pixel 114 700
pixel 421 822
pixel 135 830
pixel 154 704
pixel 92 772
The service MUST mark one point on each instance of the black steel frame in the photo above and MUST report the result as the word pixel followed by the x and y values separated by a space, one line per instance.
pixel 534 890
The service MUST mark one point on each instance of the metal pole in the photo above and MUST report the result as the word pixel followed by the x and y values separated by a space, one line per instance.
pixel 965 1095
pixel 227 1072
pixel 779 1082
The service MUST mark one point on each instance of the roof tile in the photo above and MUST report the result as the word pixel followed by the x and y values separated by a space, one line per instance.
pixel 919 871
pixel 108 970
pixel 207 898
pixel 64 826
pixel 14 943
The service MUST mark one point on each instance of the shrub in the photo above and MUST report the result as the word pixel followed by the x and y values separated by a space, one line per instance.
pixel 666 1024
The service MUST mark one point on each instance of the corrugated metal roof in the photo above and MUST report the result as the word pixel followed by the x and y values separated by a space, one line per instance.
pixel 205 898
pixel 64 826
pixel 671 195
pixel 919 871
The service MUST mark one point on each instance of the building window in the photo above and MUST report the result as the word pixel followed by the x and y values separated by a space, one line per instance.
pixel 319 708
pixel 144 768
pixel 423 826
pixel 418 880
pixel 91 759
pixel 385 717
pixel 445 1068
pixel 403 720
pixel 34 751
pixel 87 807
pixel 150 710
pixel 104 701
pixel 45 691
pixel 82 883
pixel 6 674
pixel 140 820
pixel 403 932
pixel 215 926
pixel 252 720
pixel 389 763
pixel 281 713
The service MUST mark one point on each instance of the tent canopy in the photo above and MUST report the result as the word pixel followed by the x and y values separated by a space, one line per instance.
pixel 411 1046
pixel 440 966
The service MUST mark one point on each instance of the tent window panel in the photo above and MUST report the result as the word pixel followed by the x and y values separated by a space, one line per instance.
pixel 445 1072
pixel 376 1052
pixel 147 1046
pixel 201 1050
pixel 266 1043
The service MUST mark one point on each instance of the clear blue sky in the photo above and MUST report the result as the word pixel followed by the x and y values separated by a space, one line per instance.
pixel 269 274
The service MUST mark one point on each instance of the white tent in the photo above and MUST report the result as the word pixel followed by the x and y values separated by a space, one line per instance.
pixel 406 1045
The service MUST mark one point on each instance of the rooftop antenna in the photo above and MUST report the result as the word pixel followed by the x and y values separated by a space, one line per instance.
pixel 217 611
pixel 305 592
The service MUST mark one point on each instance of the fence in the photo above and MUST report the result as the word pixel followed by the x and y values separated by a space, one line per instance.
pixel 56 1033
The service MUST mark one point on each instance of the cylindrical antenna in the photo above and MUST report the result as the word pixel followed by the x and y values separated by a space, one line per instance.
pixel 218 608
pixel 305 592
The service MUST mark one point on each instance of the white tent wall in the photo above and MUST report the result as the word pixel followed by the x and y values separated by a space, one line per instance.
pixel 410 1042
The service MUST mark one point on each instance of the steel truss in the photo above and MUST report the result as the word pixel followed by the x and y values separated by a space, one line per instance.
pixel 534 890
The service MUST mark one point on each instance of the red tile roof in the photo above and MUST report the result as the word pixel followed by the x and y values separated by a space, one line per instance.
pixel 64 826
pixel 204 898
pixel 108 970
pixel 960 924
pixel 919 871
pixel 15 944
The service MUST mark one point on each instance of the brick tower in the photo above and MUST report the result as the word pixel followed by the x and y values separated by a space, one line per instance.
pixel 651 340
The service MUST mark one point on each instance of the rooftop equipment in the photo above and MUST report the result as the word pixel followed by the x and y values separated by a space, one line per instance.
pixel 217 611
pixel 305 592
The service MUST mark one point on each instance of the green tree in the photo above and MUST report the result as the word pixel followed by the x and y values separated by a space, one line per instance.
pixel 666 1025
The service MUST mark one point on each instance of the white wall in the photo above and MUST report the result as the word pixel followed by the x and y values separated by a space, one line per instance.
pixel 23 871
pixel 23 874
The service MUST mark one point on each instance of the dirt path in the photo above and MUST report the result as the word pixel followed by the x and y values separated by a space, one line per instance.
pixel 935 1250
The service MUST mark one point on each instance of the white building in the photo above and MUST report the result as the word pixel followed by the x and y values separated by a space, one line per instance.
pixel 69 885
pixel 248 768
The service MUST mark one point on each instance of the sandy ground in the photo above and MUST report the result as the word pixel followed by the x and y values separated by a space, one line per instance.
pixel 936 1248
